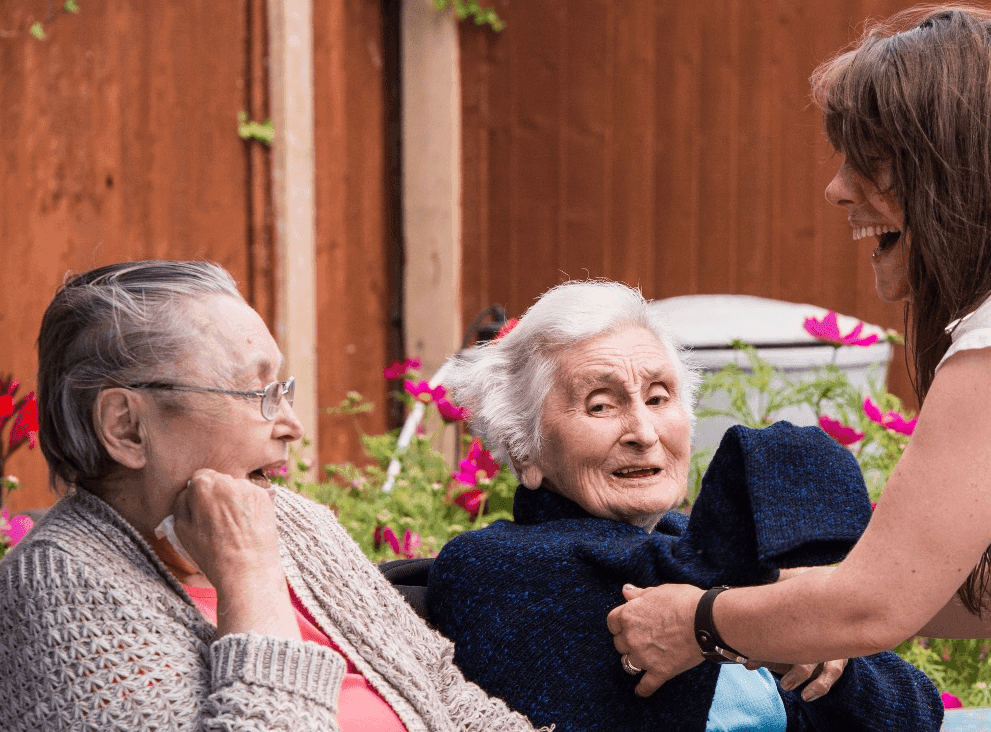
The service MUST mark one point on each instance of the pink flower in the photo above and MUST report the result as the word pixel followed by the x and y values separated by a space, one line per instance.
pixel 507 328
pixel 450 411
pixel 400 368
pixel 839 431
pixel 477 466
pixel 385 535
pixel 827 329
pixel 26 425
pixel 472 501
pixel 950 701
pixel 889 420
pixel 424 392
pixel 15 529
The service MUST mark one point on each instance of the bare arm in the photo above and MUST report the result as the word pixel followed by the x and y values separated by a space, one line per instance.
pixel 927 533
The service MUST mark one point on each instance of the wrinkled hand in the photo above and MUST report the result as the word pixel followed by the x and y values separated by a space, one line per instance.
pixel 227 525
pixel 820 677
pixel 656 627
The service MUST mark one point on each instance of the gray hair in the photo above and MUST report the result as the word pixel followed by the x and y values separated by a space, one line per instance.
pixel 504 383
pixel 107 327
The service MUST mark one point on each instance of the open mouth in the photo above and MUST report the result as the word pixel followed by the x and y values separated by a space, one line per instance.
pixel 887 240
pixel 636 472
pixel 259 478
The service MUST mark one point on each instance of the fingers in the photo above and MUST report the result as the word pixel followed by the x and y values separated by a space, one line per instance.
pixel 650 683
pixel 829 674
pixel 798 674
pixel 631 592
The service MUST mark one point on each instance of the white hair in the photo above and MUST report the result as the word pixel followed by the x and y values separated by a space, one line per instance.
pixel 504 383
pixel 104 328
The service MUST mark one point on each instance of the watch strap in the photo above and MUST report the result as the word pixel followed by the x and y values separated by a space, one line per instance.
pixel 713 647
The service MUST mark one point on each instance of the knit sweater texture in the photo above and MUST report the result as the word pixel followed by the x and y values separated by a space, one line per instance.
pixel 96 634
pixel 526 601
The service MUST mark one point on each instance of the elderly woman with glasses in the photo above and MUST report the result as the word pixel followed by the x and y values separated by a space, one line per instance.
pixel 160 405
pixel 591 404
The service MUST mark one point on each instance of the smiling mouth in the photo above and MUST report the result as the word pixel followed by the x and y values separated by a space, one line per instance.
pixel 636 472
pixel 887 237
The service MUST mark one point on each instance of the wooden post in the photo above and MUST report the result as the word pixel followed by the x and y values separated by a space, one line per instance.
pixel 431 183
pixel 293 176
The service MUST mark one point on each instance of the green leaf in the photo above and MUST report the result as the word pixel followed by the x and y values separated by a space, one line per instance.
pixel 38 31
pixel 70 6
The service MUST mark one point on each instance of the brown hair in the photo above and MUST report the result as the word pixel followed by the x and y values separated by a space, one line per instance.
pixel 914 94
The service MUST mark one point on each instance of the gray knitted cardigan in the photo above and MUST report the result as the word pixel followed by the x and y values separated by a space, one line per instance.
pixel 96 634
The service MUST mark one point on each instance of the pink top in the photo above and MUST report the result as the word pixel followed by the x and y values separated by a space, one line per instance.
pixel 359 707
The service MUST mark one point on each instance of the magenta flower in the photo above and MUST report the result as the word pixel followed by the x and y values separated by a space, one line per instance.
pixel 828 330
pixel 400 368
pixel 950 701
pixel 407 549
pixel 450 411
pixel 472 501
pixel 14 529
pixel 839 431
pixel 424 392
pixel 889 420
pixel 479 465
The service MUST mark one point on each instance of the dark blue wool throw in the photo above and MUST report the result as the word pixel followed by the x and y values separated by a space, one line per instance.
pixel 526 601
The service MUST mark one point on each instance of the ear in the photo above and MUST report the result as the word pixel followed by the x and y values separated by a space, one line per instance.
pixel 117 418
pixel 531 476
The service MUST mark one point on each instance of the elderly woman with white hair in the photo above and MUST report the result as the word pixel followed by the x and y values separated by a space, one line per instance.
pixel 590 403
pixel 159 395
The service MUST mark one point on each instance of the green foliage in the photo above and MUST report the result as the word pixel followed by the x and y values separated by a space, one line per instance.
pixel 464 9
pixel 421 501
pixel 757 394
pixel 37 29
pixel 261 131
pixel 957 666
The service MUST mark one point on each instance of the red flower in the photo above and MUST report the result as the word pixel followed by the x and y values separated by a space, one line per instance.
pixel 827 329
pixel 472 501
pixel 507 328
pixel 450 411
pixel 839 431
pixel 7 401
pixel 424 392
pixel 408 547
pixel 889 420
pixel 477 466
pixel 400 368
pixel 26 425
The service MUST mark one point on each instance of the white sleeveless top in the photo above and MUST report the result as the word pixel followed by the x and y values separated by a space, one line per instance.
pixel 971 331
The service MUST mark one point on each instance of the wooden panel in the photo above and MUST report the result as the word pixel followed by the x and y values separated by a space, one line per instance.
pixel 119 142
pixel 352 217
pixel 658 145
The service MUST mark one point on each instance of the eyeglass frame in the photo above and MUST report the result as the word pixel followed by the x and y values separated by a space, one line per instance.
pixel 287 391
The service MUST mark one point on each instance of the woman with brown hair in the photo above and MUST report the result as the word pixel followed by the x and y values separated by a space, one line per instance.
pixel 909 109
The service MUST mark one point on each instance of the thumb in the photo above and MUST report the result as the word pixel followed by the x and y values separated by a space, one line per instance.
pixel 631 592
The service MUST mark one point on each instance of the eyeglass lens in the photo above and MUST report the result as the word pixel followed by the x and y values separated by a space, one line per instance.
pixel 273 396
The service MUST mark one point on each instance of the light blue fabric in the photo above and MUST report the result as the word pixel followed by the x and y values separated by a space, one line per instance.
pixel 746 701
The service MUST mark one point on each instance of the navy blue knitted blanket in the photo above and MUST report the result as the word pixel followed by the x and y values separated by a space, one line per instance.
pixel 526 601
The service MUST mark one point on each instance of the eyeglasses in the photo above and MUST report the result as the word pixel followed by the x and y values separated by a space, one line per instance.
pixel 271 395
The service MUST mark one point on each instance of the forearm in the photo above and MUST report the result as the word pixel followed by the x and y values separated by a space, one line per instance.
pixel 812 617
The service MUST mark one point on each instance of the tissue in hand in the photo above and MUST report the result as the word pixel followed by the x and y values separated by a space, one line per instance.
pixel 166 530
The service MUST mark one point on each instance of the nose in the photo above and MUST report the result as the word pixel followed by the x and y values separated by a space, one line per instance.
pixel 843 189
pixel 639 429
pixel 286 424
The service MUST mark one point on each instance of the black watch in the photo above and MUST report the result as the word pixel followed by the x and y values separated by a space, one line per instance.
pixel 713 647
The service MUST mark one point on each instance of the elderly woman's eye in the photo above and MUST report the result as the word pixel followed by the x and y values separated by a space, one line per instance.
pixel 658 397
